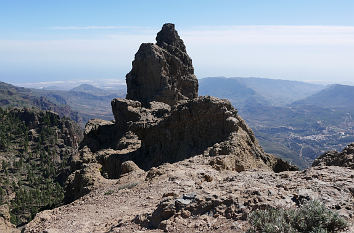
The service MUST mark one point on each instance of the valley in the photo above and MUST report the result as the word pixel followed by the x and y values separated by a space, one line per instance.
pixel 298 131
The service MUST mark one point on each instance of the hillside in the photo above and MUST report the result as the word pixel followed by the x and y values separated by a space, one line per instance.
pixel 35 147
pixel 12 96
pixel 298 132
pixel 281 92
pixel 274 92
pixel 335 96
pixel 90 89
pixel 89 101
pixel 232 89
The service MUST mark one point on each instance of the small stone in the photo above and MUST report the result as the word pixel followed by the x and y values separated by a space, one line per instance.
pixel 189 196
pixel 182 201
pixel 172 194
pixel 185 213
pixel 208 178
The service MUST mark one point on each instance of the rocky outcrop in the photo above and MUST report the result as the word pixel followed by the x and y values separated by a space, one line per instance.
pixel 159 134
pixel 334 158
pixel 163 71
pixel 163 121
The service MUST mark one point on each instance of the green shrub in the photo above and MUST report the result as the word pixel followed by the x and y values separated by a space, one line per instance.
pixel 109 192
pixel 128 186
pixel 312 217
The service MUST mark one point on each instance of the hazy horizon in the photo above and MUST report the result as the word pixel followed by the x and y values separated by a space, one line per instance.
pixel 118 83
pixel 69 41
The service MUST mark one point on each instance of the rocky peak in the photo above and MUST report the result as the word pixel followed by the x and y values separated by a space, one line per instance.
pixel 168 35
pixel 163 71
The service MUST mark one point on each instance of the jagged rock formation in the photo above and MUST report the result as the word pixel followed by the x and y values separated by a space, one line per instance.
pixel 204 125
pixel 164 121
pixel 159 134
pixel 163 71
pixel 334 158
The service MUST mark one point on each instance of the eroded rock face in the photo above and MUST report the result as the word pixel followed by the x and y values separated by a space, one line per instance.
pixel 151 136
pixel 163 71
pixel 192 127
pixel 334 158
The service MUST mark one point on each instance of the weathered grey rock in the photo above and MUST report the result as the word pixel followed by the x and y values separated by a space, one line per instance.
pixel 204 125
pixel 101 134
pixel 83 181
pixel 93 125
pixel 168 37
pixel 189 129
pixel 128 167
pixel 334 158
pixel 165 210
pixel 162 72
pixel 127 112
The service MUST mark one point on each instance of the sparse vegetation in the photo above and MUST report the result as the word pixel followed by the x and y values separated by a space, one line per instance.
pixel 124 186
pixel 109 192
pixel 309 218
pixel 128 186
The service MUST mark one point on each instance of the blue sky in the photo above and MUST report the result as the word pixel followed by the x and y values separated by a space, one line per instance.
pixel 47 40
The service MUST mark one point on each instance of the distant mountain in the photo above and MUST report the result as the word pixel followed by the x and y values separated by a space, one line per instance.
pixel 81 103
pixel 281 92
pixel 88 100
pixel 54 88
pixel 262 90
pixel 334 96
pixel 232 89
pixel 89 89
pixel 12 96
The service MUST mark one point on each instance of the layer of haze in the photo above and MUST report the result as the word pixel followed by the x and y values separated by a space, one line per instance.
pixel 47 41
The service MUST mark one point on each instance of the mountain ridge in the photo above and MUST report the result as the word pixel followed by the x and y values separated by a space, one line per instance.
pixel 334 96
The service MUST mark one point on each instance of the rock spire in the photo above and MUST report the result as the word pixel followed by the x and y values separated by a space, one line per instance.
pixel 163 71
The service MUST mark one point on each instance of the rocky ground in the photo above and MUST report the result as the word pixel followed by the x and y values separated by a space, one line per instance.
pixel 192 195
